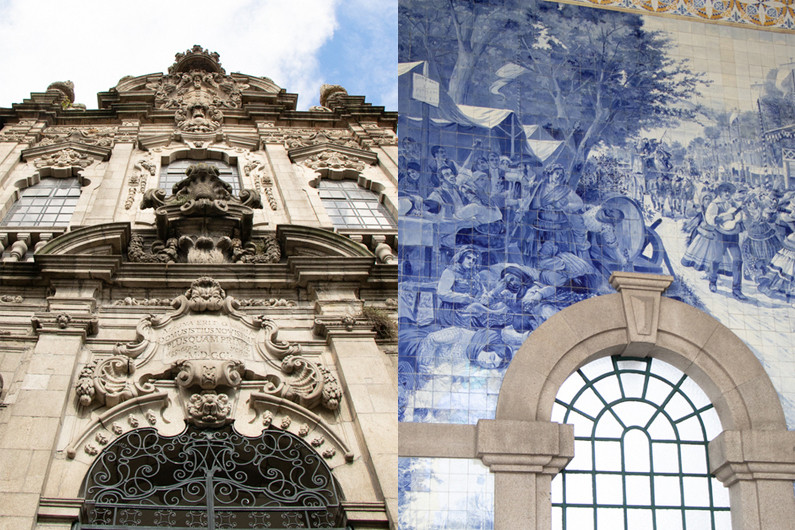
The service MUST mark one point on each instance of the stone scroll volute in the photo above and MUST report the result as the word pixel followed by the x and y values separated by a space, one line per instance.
pixel 207 358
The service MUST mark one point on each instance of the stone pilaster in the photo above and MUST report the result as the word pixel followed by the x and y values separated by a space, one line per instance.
pixel 758 467
pixel 371 395
pixel 524 456
pixel 36 406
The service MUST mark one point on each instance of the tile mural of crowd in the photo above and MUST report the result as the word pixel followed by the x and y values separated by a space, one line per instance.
pixel 545 146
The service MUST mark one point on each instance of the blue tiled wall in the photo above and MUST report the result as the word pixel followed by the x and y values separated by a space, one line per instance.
pixel 545 145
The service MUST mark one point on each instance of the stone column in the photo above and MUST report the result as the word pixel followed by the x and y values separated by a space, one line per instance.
pixel 371 395
pixel 36 404
pixel 524 456
pixel 758 467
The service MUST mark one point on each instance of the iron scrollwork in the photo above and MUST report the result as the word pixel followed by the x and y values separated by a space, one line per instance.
pixel 213 478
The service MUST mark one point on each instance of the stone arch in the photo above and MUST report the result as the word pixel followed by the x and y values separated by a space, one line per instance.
pixel 687 338
pixel 753 455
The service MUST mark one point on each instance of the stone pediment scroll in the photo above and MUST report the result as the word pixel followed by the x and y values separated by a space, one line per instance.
pixel 204 354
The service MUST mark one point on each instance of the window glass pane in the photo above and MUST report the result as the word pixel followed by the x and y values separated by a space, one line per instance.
pixel 630 465
pixel 345 197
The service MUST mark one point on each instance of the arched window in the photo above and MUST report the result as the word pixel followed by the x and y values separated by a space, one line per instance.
pixel 210 478
pixel 641 429
pixel 174 172
pixel 51 202
pixel 351 206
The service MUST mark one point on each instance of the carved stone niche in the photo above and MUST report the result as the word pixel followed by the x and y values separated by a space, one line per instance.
pixel 202 222
pixel 211 359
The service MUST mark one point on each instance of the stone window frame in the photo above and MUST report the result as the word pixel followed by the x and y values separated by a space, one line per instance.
pixel 753 456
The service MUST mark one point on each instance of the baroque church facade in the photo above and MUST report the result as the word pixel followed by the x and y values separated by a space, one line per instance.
pixel 197 294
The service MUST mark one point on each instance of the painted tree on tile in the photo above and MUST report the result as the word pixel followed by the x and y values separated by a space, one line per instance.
pixel 601 80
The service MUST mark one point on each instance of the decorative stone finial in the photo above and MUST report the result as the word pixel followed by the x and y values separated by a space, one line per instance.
pixel 329 92
pixel 196 58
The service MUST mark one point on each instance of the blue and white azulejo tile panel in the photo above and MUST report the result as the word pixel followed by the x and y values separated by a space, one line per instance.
pixel 545 145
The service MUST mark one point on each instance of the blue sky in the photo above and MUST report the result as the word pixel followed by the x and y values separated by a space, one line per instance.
pixel 299 44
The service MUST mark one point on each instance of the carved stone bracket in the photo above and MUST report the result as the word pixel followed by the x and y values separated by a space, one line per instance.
pixel 65 323
pixel 348 326
pixel 641 296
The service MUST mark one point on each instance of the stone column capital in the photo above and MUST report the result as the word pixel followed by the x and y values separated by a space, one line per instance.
pixel 510 446
pixel 752 455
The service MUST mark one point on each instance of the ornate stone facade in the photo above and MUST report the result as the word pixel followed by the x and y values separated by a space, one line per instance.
pixel 180 305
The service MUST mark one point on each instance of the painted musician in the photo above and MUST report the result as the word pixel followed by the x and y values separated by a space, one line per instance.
pixel 727 218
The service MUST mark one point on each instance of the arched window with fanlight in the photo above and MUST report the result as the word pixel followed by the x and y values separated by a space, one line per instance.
pixel 174 172
pixel 50 202
pixel 641 430
pixel 351 206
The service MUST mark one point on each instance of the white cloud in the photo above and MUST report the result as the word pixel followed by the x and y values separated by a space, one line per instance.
pixel 95 43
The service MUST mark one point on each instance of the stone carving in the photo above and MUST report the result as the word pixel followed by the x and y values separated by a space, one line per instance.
pixel 310 384
pixel 91 450
pixel 204 350
pixel 197 87
pixel 7 299
pixel 101 438
pixel 329 453
pixel 116 428
pixel 143 169
pixel 334 165
pixel 109 382
pixel 64 158
pixel 50 322
pixel 304 430
pixel 317 442
pixel 209 374
pixel 271 302
pixel 15 136
pixel 158 252
pixel 294 139
pixel 129 301
pixel 267 418
pixel 209 409
pixel 99 136
pixel 223 237
pixel 133 421
pixel 262 181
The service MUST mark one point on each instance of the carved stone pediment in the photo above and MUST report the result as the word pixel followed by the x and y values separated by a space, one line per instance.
pixel 64 159
pixel 206 352
pixel 97 136
pixel 198 89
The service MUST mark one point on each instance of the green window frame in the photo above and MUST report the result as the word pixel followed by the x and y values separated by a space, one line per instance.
pixel 615 479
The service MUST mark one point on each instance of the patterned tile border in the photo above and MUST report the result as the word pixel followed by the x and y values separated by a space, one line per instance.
pixel 762 14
